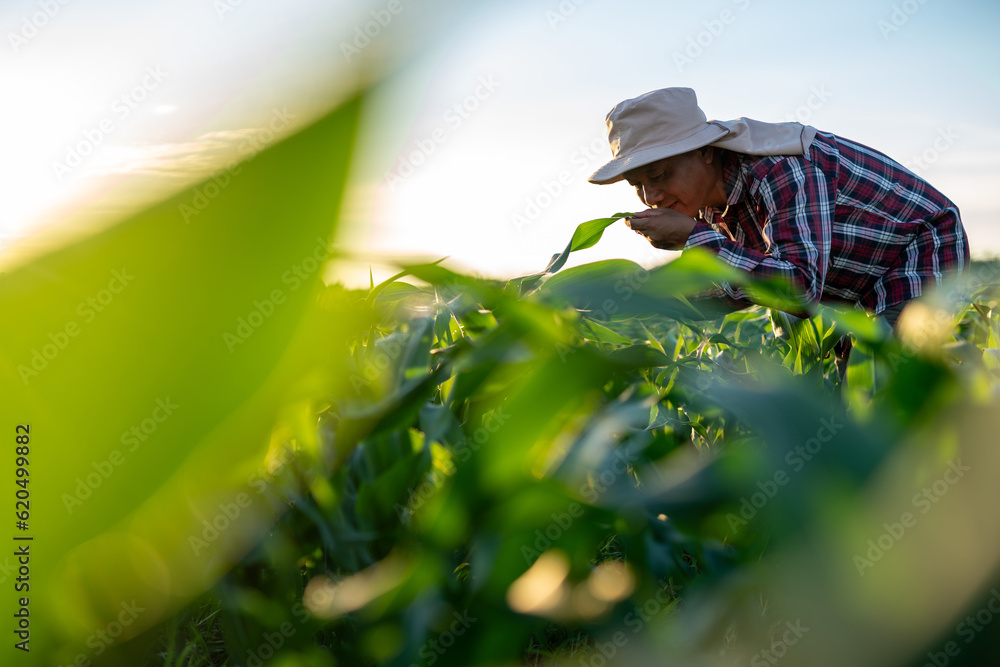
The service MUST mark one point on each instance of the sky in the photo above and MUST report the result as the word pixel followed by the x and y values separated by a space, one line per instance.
pixel 484 119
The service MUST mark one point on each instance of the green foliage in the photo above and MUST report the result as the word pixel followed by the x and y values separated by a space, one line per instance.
pixel 494 449
pixel 152 359
pixel 458 471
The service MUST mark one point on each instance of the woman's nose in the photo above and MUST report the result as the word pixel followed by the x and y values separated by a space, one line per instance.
pixel 651 195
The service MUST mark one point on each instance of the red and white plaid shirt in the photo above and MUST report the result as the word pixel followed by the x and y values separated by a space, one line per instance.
pixel 845 223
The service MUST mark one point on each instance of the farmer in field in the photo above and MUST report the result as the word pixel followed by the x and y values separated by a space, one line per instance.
pixel 842 221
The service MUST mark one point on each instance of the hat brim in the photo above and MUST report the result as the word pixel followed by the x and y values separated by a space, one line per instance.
pixel 614 171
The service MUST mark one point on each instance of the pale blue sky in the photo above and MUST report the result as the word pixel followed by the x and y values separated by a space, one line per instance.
pixel 533 81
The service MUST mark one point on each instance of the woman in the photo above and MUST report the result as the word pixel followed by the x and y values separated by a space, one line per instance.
pixel 842 221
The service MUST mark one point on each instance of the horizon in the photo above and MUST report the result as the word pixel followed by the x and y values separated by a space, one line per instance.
pixel 484 122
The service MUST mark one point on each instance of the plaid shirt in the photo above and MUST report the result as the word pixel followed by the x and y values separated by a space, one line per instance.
pixel 845 223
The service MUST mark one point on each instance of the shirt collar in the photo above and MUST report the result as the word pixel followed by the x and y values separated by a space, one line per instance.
pixel 735 180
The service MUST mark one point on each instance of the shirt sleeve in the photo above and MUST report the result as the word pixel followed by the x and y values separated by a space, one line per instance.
pixel 798 204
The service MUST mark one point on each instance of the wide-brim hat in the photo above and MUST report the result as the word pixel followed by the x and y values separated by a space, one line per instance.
pixel 654 126
pixel 668 122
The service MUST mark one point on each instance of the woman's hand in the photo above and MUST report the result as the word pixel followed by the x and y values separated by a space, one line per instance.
pixel 664 228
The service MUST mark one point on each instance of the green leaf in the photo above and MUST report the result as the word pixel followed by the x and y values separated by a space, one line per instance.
pixel 639 356
pixel 586 235
pixel 193 326
pixel 850 320
pixel 719 339
pixel 603 334
pixel 589 233
pixel 410 270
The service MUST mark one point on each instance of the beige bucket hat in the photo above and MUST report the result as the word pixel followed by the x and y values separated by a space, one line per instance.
pixel 668 122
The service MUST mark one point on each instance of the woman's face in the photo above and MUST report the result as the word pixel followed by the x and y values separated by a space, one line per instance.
pixel 683 182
